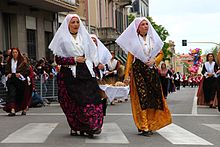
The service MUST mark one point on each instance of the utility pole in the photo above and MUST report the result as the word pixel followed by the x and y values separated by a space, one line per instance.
pixel 88 3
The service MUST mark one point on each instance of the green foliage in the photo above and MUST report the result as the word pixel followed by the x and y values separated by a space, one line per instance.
pixel 131 17
pixel 163 33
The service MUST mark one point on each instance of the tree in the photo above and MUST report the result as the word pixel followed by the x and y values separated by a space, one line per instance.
pixel 131 17
pixel 163 33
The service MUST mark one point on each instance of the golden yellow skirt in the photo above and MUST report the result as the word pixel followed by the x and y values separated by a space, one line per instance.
pixel 149 119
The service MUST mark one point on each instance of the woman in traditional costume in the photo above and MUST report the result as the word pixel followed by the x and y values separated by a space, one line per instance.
pixel 209 83
pixel 78 90
pixel 143 45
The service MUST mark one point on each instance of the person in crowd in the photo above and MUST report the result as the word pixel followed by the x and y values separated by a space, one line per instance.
pixel 184 83
pixel 209 70
pixel 3 64
pixel 78 90
pixel 171 85
pixel 177 80
pixel 2 71
pixel 200 93
pixel 17 71
pixel 218 80
pixel 164 74
pixel 112 68
pixel 43 72
pixel 143 45
pixel 29 86
pixel 121 71
pixel 7 54
pixel 104 57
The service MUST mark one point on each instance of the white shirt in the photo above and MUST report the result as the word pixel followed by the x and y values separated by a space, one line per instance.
pixel 13 65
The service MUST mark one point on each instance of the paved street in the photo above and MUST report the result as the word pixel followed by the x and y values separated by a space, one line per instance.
pixel 47 127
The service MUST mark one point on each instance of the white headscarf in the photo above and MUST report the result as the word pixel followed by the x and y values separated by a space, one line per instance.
pixel 64 45
pixel 103 53
pixel 131 42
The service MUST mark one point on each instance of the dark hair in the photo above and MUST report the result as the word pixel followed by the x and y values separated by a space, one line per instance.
pixel 163 64
pixel 207 57
pixel 20 57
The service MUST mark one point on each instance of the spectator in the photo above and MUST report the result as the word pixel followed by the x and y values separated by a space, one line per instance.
pixel 17 71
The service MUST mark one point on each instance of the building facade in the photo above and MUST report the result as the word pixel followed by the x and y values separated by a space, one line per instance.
pixel 30 24
pixel 140 7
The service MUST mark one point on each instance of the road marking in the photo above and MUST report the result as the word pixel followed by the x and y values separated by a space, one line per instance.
pixel 31 133
pixel 111 133
pixel 178 135
pixel 114 114
pixel 213 126
pixel 194 107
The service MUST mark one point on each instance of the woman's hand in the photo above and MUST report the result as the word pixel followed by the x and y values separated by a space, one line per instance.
pixel 126 80
pixel 9 75
pixel 218 72
pixel 150 62
pixel 18 75
pixel 80 59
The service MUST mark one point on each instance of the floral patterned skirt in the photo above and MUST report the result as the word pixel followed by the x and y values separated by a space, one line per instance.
pixel 80 117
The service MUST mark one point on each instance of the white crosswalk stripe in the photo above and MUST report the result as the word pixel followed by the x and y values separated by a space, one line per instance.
pixel 111 134
pixel 213 126
pixel 31 133
pixel 177 135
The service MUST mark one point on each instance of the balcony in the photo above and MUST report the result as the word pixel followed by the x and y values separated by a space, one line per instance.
pixel 50 5
pixel 107 33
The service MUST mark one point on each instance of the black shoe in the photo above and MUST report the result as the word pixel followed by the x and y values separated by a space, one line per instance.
pixel 82 133
pixel 73 133
pixel 146 133
pixel 11 114
pixel 90 135
pixel 23 113
pixel 150 133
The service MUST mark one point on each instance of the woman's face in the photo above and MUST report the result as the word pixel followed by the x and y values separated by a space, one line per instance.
pixel 74 25
pixel 15 54
pixel 143 27
pixel 163 66
pixel 210 57
pixel 94 40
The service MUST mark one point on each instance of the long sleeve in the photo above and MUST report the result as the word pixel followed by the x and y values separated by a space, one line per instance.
pixel 65 60
pixel 130 59
pixel 159 58
pixel 203 69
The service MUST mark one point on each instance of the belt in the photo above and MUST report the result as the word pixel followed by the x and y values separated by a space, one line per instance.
pixel 66 65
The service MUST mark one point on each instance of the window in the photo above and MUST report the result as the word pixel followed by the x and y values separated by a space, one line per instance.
pixel 31 43
pixel 48 38
pixel 6 31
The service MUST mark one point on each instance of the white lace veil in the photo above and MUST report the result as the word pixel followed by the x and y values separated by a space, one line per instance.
pixel 129 40
pixel 103 53
pixel 63 45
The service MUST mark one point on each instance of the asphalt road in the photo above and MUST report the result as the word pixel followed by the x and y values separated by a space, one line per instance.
pixel 47 127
